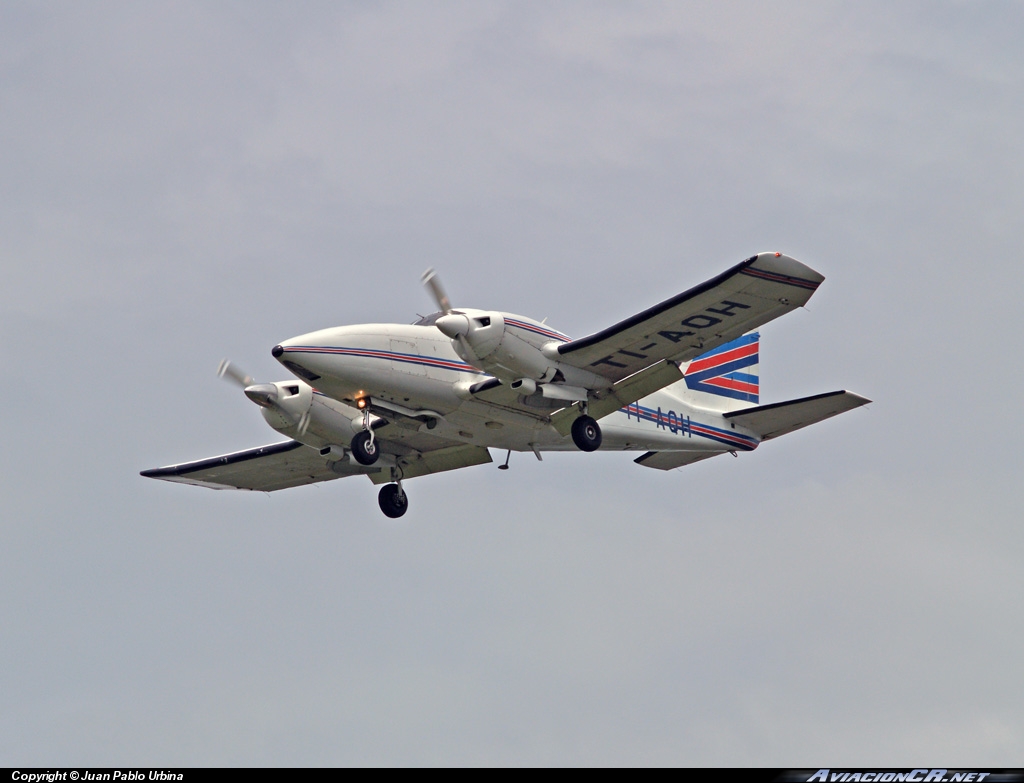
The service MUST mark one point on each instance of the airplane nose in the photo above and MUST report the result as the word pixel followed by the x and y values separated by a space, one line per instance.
pixel 276 351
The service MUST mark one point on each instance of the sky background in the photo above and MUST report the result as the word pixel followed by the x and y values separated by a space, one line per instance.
pixel 182 182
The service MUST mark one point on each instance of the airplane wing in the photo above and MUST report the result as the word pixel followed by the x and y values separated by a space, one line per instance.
pixel 740 299
pixel 292 464
pixel 780 418
pixel 264 469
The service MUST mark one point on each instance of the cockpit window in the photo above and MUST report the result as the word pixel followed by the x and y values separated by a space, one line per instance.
pixel 427 320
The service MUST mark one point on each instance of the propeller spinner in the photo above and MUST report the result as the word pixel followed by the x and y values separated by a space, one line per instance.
pixel 266 395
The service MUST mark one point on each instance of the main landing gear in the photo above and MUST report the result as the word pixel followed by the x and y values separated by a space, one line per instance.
pixel 364 448
pixel 586 433
pixel 393 500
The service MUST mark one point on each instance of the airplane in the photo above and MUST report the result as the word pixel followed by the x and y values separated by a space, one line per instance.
pixel 678 382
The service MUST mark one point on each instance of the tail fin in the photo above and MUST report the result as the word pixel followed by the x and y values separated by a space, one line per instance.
pixel 725 378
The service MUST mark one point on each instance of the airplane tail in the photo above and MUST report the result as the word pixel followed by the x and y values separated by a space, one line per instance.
pixel 725 378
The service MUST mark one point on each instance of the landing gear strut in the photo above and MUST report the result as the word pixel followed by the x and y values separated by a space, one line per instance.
pixel 586 434
pixel 393 500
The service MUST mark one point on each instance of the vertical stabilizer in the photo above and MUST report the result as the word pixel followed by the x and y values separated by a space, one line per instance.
pixel 725 378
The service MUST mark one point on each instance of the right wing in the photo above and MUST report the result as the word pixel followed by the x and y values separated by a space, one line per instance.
pixel 739 300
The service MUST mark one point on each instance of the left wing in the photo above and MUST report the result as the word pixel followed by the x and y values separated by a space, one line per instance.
pixel 292 464
pixel 265 469
pixel 740 299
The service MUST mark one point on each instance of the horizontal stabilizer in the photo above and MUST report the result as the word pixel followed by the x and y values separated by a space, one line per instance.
pixel 780 418
pixel 669 460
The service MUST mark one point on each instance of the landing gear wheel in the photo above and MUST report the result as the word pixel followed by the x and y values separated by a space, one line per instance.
pixel 365 451
pixel 393 500
pixel 586 434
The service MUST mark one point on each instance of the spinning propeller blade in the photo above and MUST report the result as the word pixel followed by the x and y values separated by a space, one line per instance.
pixel 433 282
pixel 455 330
pixel 235 374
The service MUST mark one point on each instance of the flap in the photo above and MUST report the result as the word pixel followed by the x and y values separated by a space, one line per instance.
pixel 623 393
pixel 450 458
pixel 668 460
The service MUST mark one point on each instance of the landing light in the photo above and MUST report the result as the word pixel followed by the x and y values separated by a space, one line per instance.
pixel 361 403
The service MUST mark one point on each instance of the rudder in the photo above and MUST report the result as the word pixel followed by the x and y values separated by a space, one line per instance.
pixel 725 378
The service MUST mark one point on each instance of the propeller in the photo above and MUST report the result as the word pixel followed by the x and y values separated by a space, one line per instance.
pixel 452 324
pixel 263 394
pixel 431 281
pixel 234 373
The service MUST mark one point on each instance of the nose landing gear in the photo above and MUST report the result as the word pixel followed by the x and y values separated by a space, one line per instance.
pixel 364 449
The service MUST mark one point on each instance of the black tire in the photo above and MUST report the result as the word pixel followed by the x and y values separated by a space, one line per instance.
pixel 393 501
pixel 586 434
pixel 366 453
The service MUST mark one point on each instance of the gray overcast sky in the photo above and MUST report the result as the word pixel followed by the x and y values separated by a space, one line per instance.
pixel 185 181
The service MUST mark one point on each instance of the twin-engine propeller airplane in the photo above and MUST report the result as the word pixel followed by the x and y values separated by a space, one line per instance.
pixel 678 382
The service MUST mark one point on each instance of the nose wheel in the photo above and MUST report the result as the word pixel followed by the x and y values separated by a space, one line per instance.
pixel 586 434
pixel 393 500
pixel 365 449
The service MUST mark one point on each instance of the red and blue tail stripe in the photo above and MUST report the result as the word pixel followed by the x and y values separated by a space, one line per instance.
pixel 719 371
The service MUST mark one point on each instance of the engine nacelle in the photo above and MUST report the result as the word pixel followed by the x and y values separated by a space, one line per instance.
pixel 518 355
pixel 483 339
pixel 294 410
pixel 283 404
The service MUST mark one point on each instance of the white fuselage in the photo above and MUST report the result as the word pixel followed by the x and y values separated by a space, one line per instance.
pixel 416 368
